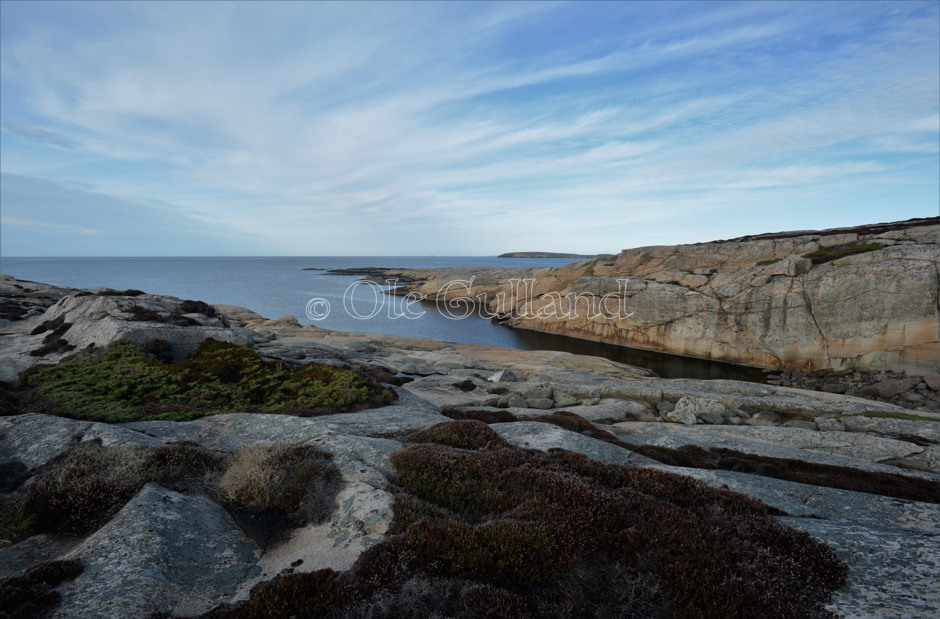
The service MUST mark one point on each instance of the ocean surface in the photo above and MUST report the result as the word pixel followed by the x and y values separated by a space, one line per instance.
pixel 279 286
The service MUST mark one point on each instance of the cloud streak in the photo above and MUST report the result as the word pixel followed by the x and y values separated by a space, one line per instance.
pixel 319 128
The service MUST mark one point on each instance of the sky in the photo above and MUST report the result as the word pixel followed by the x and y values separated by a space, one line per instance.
pixel 446 128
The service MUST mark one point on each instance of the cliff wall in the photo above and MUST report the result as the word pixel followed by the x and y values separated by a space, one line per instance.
pixel 849 298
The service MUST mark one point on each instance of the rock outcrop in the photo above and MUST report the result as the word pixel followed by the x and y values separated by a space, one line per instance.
pixel 88 319
pixel 170 552
pixel 864 297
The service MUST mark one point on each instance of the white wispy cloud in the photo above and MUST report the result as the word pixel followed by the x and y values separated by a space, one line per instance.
pixel 326 125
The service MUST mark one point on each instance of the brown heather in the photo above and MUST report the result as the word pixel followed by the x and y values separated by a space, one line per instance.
pixel 495 531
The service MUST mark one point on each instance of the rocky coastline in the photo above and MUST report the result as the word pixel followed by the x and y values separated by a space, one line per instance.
pixel 862 298
pixel 859 475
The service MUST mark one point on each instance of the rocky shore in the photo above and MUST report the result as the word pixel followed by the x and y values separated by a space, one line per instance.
pixel 862 298
pixel 861 476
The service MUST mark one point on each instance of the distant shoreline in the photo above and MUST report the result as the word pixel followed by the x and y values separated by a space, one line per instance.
pixel 548 254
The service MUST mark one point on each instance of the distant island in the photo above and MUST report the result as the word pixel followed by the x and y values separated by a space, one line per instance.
pixel 548 254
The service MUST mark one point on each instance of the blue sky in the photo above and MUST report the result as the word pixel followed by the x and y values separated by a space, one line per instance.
pixel 458 129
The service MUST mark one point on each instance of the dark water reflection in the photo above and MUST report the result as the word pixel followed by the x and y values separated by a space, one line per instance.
pixel 665 365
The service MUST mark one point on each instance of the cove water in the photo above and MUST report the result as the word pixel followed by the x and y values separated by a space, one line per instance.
pixel 278 286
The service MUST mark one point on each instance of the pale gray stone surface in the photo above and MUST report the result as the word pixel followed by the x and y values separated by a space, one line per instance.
pixel 35 439
pixel 837 448
pixel 163 552
pixel 893 572
pixel 545 436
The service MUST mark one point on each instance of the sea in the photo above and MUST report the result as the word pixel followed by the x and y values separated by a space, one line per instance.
pixel 302 287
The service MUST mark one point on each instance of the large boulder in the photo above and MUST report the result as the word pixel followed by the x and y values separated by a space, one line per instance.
pixel 163 552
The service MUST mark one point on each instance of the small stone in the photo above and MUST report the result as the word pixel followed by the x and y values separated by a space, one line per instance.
pixel 933 381
pixel 511 400
pixel 541 403
pixel 711 418
pixel 504 376
pixel 563 399
pixel 833 388
pixel 685 416
pixel 890 387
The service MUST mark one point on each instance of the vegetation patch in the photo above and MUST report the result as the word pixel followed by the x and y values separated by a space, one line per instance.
pixel 33 594
pixel 465 434
pixel 125 384
pixel 267 488
pixel 85 487
pixel 15 522
pixel 830 476
pixel 271 488
pixel 486 416
pixel 53 342
pixel 506 532
pixel 828 254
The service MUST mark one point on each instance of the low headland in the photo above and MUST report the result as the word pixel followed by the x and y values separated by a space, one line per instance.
pixel 165 457
pixel 549 254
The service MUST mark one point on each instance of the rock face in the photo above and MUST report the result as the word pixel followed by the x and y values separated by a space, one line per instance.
pixel 777 301
pixel 164 552
pixel 82 320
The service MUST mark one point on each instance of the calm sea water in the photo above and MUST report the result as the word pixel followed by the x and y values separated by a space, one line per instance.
pixel 279 286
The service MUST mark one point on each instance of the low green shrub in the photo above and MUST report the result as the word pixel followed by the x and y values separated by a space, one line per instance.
pixel 125 384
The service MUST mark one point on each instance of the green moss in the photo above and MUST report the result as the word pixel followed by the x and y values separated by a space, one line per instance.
pixel 891 415
pixel 828 254
pixel 127 385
